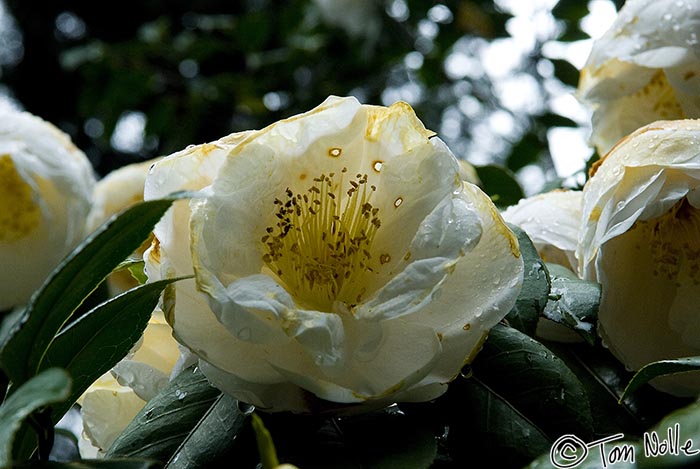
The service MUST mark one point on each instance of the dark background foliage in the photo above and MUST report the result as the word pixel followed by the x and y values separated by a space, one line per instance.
pixel 193 72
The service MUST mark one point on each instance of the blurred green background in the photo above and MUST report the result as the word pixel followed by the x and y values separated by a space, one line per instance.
pixel 131 80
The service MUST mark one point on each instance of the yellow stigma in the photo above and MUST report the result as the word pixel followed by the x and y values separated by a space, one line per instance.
pixel 19 214
pixel 675 240
pixel 321 245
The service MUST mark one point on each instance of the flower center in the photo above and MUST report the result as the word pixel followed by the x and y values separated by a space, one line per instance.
pixel 675 238
pixel 321 246
pixel 19 214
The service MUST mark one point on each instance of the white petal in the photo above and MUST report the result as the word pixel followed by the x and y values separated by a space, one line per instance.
pixel 451 229
pixel 635 308
pixel 480 292
pixel 106 412
pixel 551 220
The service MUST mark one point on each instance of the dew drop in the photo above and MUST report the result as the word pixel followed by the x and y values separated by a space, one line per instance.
pixel 180 395
pixel 398 202
pixel 384 258
pixel 245 409
pixel 244 334
pixel 335 152
pixel 377 165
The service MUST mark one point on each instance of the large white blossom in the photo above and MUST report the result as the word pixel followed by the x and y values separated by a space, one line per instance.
pixel 646 67
pixel 640 239
pixel 46 188
pixel 113 401
pixel 337 254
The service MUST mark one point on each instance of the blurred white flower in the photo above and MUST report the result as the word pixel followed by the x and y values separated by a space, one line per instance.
pixel 113 401
pixel 551 220
pixel 645 68
pixel 640 239
pixel 46 188
pixel 337 253
pixel 359 18
pixel 118 191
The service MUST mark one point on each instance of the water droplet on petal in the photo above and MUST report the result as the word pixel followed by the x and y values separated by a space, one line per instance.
pixel 245 409
pixel 244 333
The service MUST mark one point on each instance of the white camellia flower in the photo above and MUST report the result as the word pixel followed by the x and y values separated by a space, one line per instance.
pixel 117 191
pixel 46 188
pixel 551 220
pixel 645 68
pixel 113 401
pixel 640 239
pixel 337 254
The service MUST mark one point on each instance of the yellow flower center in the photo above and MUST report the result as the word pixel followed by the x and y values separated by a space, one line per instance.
pixel 675 238
pixel 19 214
pixel 321 245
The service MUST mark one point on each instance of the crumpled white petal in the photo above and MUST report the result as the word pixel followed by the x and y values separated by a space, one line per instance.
pixel 46 186
pixel 639 239
pixel 643 69
pixel 552 221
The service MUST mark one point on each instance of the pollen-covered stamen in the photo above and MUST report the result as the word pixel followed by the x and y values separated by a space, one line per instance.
pixel 322 242
pixel 675 241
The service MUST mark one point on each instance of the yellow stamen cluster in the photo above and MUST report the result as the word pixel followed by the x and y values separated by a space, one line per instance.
pixel 321 244
pixel 675 240
pixel 19 214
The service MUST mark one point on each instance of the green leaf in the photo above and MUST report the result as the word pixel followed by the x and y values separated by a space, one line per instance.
pixel 682 427
pixel 213 436
pixel 500 184
pixel 71 282
pixel 96 342
pixel 485 423
pixel 117 463
pixel 536 284
pixel 565 72
pixel 535 381
pixel 266 447
pixel 661 368
pixel 377 440
pixel 573 302
pixel 48 387
pixel 135 268
pixel 166 420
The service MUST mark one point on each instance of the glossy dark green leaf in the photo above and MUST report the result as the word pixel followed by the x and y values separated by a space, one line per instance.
pixel 535 381
pixel 213 436
pixel 49 387
pixel 96 342
pixel 484 426
pixel 661 368
pixel 674 441
pixel 534 293
pixel 500 184
pixel 117 463
pixel 72 281
pixel 166 420
pixel 573 302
